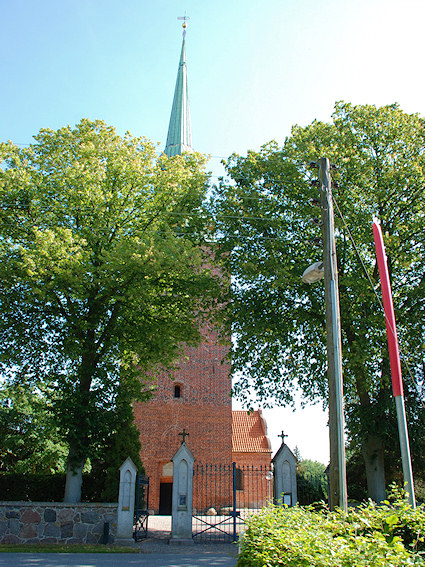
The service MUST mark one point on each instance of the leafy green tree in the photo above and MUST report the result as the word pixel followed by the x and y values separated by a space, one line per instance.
pixel 124 442
pixel 311 468
pixel 268 222
pixel 312 484
pixel 29 439
pixel 101 270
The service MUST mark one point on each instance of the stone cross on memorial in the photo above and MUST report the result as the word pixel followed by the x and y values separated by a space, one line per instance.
pixel 184 435
pixel 282 435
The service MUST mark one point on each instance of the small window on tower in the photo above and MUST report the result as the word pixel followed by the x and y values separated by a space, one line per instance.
pixel 177 391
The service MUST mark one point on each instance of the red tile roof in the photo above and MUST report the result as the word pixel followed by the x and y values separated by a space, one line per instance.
pixel 249 433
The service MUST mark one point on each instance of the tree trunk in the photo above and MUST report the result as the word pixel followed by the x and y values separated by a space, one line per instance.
pixel 81 425
pixel 373 454
pixel 372 446
pixel 74 481
pixel 74 476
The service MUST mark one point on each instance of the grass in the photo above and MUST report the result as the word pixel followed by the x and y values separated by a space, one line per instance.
pixel 62 548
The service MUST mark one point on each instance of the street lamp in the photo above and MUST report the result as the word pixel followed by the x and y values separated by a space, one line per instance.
pixel 314 273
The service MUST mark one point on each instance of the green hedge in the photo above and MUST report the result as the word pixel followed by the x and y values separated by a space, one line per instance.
pixel 390 535
pixel 47 488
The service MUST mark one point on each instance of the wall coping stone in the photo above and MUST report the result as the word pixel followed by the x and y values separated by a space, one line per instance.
pixel 31 503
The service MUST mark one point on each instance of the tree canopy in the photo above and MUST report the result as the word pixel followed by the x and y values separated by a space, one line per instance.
pixel 29 439
pixel 268 222
pixel 102 273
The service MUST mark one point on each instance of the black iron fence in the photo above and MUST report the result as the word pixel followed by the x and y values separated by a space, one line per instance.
pixel 312 488
pixel 141 508
pixel 223 497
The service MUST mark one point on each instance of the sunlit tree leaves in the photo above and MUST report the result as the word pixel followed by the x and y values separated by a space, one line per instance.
pixel 268 222
pixel 102 272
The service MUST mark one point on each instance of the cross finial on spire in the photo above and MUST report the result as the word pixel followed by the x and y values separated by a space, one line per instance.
pixel 184 24
pixel 283 437
pixel 184 435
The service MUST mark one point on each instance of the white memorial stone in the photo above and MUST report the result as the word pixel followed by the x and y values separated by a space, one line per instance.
pixel 285 477
pixel 181 520
pixel 126 499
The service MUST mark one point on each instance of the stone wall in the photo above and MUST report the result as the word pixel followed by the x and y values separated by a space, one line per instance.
pixel 56 522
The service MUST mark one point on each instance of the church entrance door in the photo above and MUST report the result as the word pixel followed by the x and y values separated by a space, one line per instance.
pixel 165 498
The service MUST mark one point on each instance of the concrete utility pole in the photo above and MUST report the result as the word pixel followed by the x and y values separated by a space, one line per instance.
pixel 338 478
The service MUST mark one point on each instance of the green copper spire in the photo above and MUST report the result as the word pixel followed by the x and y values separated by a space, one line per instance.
pixel 179 138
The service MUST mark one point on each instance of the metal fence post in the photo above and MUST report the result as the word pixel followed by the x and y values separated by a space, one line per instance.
pixel 234 502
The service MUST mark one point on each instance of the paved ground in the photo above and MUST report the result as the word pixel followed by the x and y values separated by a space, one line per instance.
pixel 116 560
pixel 155 551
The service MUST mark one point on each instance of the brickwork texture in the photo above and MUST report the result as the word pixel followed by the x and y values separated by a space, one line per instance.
pixel 203 410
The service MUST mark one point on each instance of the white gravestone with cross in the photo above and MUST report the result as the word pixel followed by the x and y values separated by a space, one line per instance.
pixel 181 521
pixel 285 477
pixel 128 472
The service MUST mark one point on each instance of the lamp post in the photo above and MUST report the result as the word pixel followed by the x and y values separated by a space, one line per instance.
pixel 338 478
pixel 328 270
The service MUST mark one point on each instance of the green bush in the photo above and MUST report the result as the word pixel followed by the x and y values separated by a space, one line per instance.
pixel 32 487
pixel 50 488
pixel 390 535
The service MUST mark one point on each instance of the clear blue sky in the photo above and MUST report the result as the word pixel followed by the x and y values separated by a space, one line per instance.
pixel 255 69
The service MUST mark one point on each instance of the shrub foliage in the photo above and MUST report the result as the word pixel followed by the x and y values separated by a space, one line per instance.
pixel 49 488
pixel 390 535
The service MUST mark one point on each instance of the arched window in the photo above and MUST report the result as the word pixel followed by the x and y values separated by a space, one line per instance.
pixel 177 391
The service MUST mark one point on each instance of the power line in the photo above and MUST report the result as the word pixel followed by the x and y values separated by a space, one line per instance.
pixel 85 210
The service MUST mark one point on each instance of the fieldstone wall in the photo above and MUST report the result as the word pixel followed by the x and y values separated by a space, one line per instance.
pixel 57 522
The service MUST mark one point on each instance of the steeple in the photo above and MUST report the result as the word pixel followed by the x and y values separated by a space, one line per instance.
pixel 179 138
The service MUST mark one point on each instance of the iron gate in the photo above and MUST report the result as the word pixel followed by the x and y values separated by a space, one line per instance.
pixel 224 495
pixel 141 509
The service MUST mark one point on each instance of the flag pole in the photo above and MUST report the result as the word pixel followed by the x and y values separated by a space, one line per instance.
pixel 393 348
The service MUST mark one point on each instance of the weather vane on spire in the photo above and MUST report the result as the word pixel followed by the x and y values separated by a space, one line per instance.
pixel 184 24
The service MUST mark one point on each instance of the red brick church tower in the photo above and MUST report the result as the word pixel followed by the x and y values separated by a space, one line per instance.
pixel 194 404
pixel 197 401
